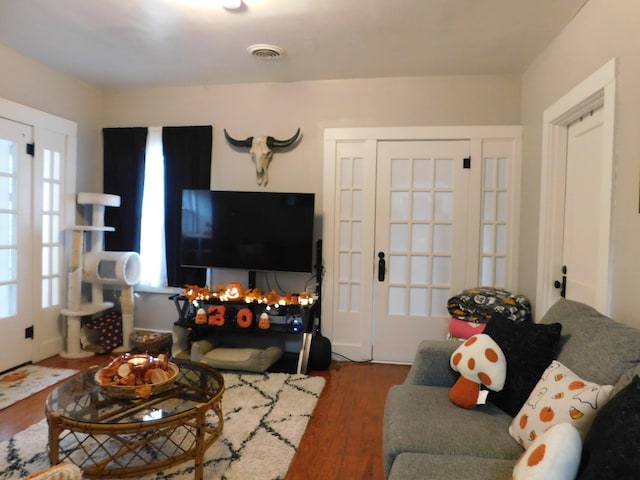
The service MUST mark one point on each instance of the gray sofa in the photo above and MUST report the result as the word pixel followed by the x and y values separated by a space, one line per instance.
pixel 427 437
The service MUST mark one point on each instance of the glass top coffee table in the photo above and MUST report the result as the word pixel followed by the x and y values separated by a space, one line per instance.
pixel 119 438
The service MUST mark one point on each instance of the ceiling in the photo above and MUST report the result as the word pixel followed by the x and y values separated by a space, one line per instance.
pixel 128 43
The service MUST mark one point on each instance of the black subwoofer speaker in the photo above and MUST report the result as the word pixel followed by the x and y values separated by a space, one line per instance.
pixel 320 353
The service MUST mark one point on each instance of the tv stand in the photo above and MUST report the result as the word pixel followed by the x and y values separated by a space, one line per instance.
pixel 279 331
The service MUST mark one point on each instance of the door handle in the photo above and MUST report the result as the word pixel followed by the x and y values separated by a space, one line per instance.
pixel 382 266
pixel 562 285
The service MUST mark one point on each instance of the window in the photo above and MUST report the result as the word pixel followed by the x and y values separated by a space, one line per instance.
pixel 148 168
pixel 152 239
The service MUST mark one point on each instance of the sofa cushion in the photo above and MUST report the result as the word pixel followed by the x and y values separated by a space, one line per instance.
pixel 422 419
pixel 554 455
pixel 592 345
pixel 529 349
pixel 423 466
pixel 560 396
pixel 611 447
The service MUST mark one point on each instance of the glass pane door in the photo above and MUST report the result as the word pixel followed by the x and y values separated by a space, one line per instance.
pixel 421 224
pixel 15 241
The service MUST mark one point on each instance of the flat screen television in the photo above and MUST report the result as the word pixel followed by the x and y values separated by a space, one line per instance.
pixel 247 230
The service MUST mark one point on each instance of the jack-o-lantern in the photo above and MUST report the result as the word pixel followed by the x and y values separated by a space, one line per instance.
pixel 234 291
pixel 216 315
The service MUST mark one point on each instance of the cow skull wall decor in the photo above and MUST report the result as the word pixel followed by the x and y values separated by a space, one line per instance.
pixel 261 150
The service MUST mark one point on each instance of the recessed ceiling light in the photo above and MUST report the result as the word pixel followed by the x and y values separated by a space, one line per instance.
pixel 265 52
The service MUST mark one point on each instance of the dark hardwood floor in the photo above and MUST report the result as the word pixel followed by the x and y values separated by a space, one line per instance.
pixel 343 439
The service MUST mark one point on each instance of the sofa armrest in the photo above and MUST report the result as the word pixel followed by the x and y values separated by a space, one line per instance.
pixel 431 364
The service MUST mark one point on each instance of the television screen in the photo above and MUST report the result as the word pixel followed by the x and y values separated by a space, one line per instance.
pixel 247 230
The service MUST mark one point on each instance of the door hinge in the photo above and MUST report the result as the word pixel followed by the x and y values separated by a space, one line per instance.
pixel 28 332
pixel 31 149
pixel 466 162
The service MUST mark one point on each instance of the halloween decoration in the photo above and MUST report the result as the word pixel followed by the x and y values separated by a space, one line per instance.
pixel 201 316
pixel 261 150
pixel 479 361
pixel 264 322
pixel 244 318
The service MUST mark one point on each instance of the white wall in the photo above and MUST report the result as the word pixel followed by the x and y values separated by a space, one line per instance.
pixel 279 108
pixel 35 85
pixel 603 29
pixel 252 109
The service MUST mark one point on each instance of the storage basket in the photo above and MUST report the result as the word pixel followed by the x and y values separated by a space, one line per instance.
pixel 151 342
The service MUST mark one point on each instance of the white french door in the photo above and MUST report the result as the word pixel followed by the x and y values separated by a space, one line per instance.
pixel 37 202
pixel 439 206
pixel 16 262
pixel 420 242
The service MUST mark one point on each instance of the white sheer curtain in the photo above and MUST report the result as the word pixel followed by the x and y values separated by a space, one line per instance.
pixel 152 241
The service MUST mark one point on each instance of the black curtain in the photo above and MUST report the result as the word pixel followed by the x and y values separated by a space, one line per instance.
pixel 187 159
pixel 123 175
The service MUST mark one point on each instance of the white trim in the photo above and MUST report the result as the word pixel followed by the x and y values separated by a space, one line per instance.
pixel 595 91
pixel 48 339
pixel 30 116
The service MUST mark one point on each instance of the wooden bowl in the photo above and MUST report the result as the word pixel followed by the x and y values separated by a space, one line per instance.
pixel 139 391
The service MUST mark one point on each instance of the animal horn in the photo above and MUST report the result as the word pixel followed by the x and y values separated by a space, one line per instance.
pixel 238 143
pixel 274 142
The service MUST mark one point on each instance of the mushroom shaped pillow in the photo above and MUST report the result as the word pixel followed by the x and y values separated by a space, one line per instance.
pixel 554 455
pixel 480 361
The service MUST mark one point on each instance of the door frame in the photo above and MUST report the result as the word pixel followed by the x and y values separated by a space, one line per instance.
pixel 597 90
pixel 360 348
pixel 48 337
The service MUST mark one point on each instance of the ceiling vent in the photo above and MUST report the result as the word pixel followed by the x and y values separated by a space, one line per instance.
pixel 265 52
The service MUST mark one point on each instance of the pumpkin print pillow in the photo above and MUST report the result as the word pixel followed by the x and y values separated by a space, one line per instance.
pixel 559 396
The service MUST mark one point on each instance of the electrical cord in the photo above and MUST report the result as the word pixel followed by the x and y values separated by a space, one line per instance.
pixel 350 359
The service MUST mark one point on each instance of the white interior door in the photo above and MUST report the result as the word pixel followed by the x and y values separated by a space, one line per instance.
pixel 583 248
pixel 588 211
pixel 420 242
pixel 15 243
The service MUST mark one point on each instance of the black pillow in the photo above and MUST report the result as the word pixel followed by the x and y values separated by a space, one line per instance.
pixel 610 449
pixel 528 348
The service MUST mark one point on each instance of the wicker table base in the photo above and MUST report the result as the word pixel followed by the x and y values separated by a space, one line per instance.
pixel 121 438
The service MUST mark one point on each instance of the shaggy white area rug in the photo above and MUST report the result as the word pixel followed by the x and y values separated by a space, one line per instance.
pixel 265 416
pixel 24 381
